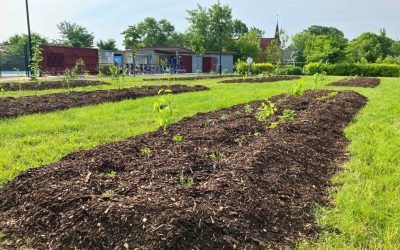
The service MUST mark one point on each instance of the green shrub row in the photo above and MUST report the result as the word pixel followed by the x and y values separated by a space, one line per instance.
pixel 242 68
pixel 357 69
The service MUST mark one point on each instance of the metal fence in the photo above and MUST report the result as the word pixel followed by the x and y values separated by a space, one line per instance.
pixel 14 58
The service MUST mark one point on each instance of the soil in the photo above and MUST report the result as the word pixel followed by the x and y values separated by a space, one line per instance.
pixel 256 191
pixel 14 86
pixel 191 78
pixel 261 79
pixel 13 107
pixel 365 82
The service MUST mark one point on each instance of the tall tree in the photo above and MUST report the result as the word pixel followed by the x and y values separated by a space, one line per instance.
pixel 248 45
pixel 260 32
pixel 320 43
pixel 157 33
pixel 75 35
pixel 370 46
pixel 325 48
pixel 239 28
pixel 109 44
pixel 210 27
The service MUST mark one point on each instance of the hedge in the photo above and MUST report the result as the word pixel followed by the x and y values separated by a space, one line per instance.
pixel 345 69
pixel 242 68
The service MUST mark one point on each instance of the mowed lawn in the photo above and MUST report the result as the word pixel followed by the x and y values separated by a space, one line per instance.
pixel 366 210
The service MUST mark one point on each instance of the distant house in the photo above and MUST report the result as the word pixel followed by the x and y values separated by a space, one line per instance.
pixel 178 59
pixel 266 42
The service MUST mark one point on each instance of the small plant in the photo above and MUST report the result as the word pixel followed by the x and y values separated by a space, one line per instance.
pixel 177 138
pixel 288 115
pixel 208 123
pixel 332 94
pixel 163 108
pixel 238 113
pixel 35 62
pixel 318 78
pixel 273 125
pixel 239 141
pixel 145 150
pixel 298 88
pixel 185 182
pixel 248 109
pixel 117 76
pixel 265 111
pixel 215 156
pixel 257 134
pixel 71 74
pixel 109 193
pixel 111 174
pixel 224 117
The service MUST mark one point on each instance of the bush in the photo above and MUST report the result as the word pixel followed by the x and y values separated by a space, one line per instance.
pixel 345 69
pixel 105 70
pixel 289 70
pixel 264 67
pixel 242 67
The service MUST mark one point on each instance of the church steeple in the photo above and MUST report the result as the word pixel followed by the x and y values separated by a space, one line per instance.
pixel 277 36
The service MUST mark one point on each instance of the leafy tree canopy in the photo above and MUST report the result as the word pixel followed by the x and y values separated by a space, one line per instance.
pixel 370 46
pixel 325 48
pixel 210 26
pixel 248 45
pixel 156 33
pixel 239 28
pixel 75 35
pixel 109 44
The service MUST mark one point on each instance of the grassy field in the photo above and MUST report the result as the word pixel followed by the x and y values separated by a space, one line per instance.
pixel 366 210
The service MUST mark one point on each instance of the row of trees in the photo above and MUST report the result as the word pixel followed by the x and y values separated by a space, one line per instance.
pixel 209 28
pixel 328 44
pixel 213 28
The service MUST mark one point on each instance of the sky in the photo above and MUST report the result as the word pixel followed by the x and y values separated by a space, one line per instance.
pixel 108 18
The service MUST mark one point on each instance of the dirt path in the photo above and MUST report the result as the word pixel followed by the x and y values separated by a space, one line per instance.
pixel 365 82
pixel 14 86
pixel 13 107
pixel 253 186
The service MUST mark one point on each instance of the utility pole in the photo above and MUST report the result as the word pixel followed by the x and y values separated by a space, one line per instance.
pixel 220 50
pixel 29 36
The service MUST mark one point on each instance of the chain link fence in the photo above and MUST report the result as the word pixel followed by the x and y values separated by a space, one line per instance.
pixel 14 59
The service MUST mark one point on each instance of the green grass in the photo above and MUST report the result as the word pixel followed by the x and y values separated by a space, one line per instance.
pixel 366 203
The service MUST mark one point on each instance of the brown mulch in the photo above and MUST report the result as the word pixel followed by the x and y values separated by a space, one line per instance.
pixel 15 86
pixel 261 79
pixel 365 82
pixel 258 192
pixel 13 107
pixel 190 78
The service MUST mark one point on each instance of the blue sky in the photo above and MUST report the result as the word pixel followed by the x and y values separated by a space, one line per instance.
pixel 107 18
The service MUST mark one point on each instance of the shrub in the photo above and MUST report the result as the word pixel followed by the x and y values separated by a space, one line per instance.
pixel 288 70
pixel 264 67
pixel 357 69
pixel 105 70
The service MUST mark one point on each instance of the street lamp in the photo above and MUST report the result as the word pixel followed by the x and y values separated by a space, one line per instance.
pixel 29 35
pixel 220 49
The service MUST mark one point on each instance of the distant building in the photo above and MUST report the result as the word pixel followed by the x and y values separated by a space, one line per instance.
pixel 58 58
pixel 158 59
pixel 266 42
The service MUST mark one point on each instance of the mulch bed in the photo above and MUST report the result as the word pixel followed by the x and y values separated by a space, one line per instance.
pixel 15 86
pixel 365 82
pixel 261 79
pixel 190 78
pixel 258 191
pixel 13 107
